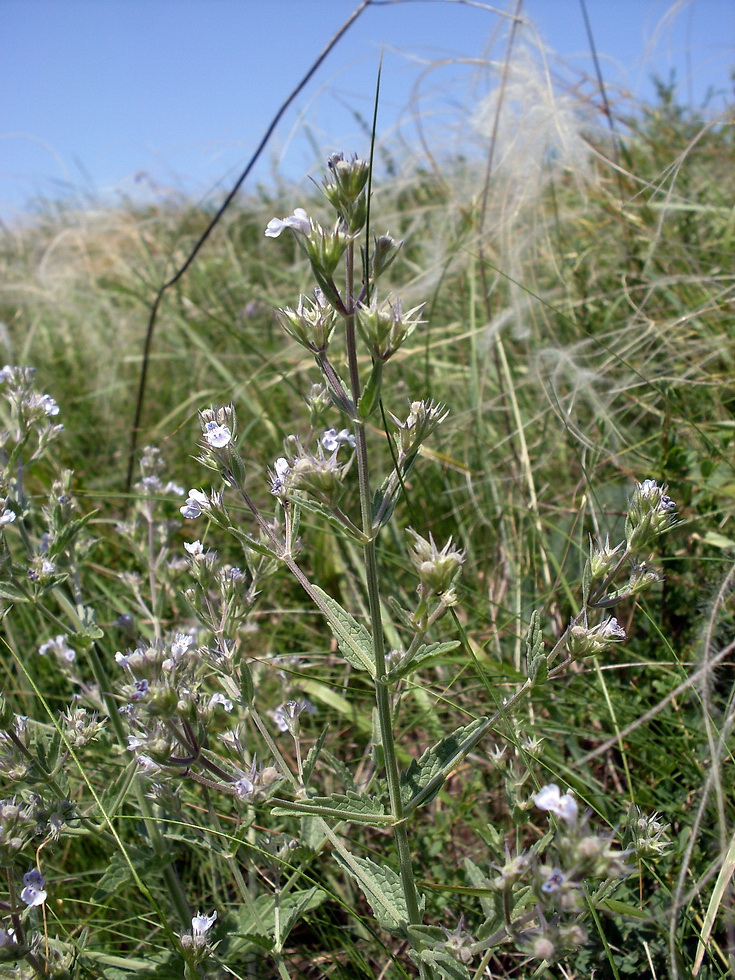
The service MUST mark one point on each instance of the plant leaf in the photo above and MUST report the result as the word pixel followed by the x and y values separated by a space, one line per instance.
pixel 382 887
pixel 350 806
pixel 353 639
pixel 424 777
pixel 427 653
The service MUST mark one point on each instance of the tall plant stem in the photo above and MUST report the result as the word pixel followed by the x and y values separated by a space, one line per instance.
pixel 382 696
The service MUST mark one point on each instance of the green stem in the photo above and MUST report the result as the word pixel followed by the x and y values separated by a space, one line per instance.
pixel 382 695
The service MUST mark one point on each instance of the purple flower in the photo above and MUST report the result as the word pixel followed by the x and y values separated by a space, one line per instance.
pixel 216 435
pixel 33 894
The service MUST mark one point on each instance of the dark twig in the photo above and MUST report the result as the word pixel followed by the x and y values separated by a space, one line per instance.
pixel 210 228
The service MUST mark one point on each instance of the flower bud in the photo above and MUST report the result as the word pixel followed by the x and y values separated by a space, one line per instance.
pixel 386 327
pixel 311 324
pixel 587 641
pixel 436 567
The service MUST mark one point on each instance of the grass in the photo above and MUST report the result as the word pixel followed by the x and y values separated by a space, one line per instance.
pixel 581 332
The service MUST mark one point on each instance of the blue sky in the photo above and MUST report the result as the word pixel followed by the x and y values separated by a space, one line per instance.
pixel 107 95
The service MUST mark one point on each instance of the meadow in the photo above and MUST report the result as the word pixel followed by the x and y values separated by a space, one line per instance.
pixel 281 705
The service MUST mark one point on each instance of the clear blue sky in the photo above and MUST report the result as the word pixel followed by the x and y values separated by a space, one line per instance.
pixel 178 92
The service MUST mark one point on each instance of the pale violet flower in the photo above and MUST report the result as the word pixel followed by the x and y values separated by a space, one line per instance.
pixel 60 647
pixel 298 221
pixel 134 743
pixel 172 487
pixel 146 764
pixel 47 567
pixel 216 435
pixel 244 788
pixel 564 807
pixel 650 491
pixel 7 516
pixel 33 894
pixel 281 468
pixel 181 643
pixel 332 439
pixel 195 549
pixel 201 926
pixel 554 881
pixel 196 503
pixel 220 699
pixel 286 715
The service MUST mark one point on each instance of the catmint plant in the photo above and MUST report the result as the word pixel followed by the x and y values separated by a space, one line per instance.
pixel 207 728
pixel 352 332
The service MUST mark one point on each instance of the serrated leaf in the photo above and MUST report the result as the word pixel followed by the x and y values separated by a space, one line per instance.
pixel 445 965
pixel 350 806
pixel 478 880
pixel 258 919
pixel 382 888
pixel 424 777
pixel 426 654
pixel 118 872
pixel 352 638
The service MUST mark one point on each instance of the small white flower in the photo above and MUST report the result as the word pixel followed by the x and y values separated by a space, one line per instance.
pixel 216 435
pixel 298 221
pixel 120 658
pixel 134 743
pixel 281 468
pixel 6 373
pixel 7 516
pixel 33 894
pixel 196 503
pixel 195 548
pixel 172 487
pixel 49 405
pixel 565 807
pixel 220 699
pixel 47 567
pixel 60 647
pixel 244 788
pixel 201 925
pixel 146 764
pixel 181 643
pixel 332 439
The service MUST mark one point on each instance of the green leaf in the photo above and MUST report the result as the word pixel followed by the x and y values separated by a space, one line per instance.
pixel 258 919
pixel 426 654
pixel 382 888
pixel 13 592
pixel 118 873
pixel 352 638
pixel 316 507
pixel 478 880
pixel 622 908
pixel 425 776
pixel 371 392
pixel 312 758
pixel 350 806
pixel 403 615
pixel 445 965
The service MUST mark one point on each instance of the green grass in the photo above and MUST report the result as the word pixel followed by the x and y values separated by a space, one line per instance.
pixel 583 339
